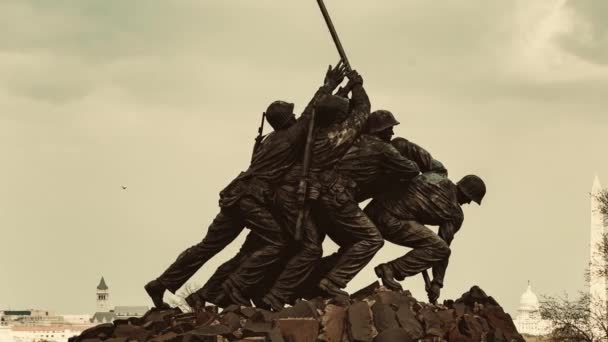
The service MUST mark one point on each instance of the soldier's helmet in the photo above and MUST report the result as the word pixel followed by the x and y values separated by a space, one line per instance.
pixel 279 113
pixel 473 187
pixel 331 109
pixel 380 120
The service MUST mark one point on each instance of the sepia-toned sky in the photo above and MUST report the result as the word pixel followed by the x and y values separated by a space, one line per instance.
pixel 165 98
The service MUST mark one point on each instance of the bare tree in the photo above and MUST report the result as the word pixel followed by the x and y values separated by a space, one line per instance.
pixel 575 320
pixel 600 263
pixel 602 197
pixel 584 318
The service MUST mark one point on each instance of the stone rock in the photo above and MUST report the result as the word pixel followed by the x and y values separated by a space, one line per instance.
pixel 275 335
pixel 432 323
pixel 460 309
pixel 155 326
pixel 476 295
pixel 116 339
pixel 183 327
pixel 167 337
pixel 132 332
pixel 395 299
pixel 299 329
pixel 394 335
pixel 407 320
pixel 501 321
pixel 105 329
pixel 211 330
pixel 365 292
pixel 302 309
pixel 232 308
pixel 393 316
pixel 333 322
pixel 204 317
pixel 231 320
pixel 248 311
pixel 360 322
pixel 447 319
pixel 252 328
pixel 384 317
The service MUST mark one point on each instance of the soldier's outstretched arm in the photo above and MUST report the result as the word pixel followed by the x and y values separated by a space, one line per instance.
pixel 396 164
pixel 446 232
pixel 420 155
pixel 346 132
pixel 333 78
pixel 360 101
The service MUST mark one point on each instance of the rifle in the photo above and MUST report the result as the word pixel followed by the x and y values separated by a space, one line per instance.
pixel 260 137
pixel 302 191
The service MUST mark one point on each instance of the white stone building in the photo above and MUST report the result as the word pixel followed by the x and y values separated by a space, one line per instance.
pixel 528 320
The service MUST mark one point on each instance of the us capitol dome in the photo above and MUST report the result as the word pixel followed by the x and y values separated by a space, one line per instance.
pixel 528 319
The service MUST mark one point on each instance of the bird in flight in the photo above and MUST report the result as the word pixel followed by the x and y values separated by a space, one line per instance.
pixel 123 187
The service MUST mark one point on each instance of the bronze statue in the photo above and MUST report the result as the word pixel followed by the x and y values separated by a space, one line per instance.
pixel 305 181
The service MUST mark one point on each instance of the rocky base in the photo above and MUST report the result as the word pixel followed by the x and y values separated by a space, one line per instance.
pixel 373 314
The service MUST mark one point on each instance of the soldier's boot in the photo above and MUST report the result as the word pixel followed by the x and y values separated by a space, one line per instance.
pixel 260 303
pixel 234 293
pixel 274 302
pixel 332 289
pixel 156 290
pixel 385 272
pixel 195 301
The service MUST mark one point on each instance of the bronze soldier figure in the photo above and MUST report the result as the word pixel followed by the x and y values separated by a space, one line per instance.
pixel 245 202
pixel 370 167
pixel 340 124
pixel 401 216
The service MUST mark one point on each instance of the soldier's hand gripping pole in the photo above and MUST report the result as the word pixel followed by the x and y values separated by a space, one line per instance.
pixel 303 185
pixel 260 137
pixel 334 35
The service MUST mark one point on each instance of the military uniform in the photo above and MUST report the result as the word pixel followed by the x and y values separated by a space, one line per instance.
pixel 329 145
pixel 371 166
pixel 401 216
pixel 245 202
pixel 380 184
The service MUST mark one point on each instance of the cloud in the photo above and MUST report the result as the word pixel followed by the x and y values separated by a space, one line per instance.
pixel 588 37
pixel 551 41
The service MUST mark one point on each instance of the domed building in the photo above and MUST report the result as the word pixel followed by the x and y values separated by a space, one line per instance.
pixel 528 319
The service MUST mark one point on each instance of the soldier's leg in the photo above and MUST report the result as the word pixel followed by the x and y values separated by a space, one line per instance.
pixel 427 248
pixel 350 224
pixel 212 291
pixel 308 252
pixel 224 229
pixel 309 288
pixel 272 243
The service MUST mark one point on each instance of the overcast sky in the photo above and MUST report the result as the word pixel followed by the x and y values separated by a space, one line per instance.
pixel 165 98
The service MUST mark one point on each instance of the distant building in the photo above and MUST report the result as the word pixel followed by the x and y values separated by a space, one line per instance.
pixel 41 325
pixel 105 315
pixel 528 320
